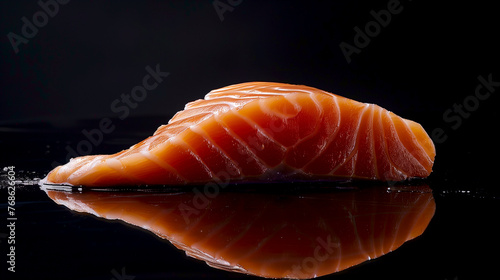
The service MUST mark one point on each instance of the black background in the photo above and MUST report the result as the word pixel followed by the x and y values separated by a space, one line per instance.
pixel 90 52
pixel 426 60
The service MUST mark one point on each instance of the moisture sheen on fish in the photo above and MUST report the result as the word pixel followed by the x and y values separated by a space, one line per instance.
pixel 261 131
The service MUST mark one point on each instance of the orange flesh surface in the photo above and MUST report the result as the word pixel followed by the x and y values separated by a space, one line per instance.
pixel 263 131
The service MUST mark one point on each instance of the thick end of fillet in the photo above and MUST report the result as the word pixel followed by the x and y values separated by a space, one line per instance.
pixel 423 139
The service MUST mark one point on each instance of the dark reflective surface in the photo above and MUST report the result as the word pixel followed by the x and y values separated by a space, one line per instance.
pixel 299 234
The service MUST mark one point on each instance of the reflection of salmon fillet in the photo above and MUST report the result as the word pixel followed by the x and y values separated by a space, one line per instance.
pixel 285 235
pixel 260 131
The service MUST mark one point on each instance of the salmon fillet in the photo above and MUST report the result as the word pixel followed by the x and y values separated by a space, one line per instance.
pixel 262 131
pixel 281 235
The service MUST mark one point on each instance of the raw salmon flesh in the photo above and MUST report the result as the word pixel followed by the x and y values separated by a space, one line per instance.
pixel 262 131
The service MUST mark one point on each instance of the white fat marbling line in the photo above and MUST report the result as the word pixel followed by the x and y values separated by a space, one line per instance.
pixel 331 136
pixel 178 140
pixel 353 145
pixel 386 149
pixel 167 167
pixel 229 161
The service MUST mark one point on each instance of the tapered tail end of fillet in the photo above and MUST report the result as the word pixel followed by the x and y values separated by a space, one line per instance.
pixel 51 177
pixel 54 180
pixel 46 184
